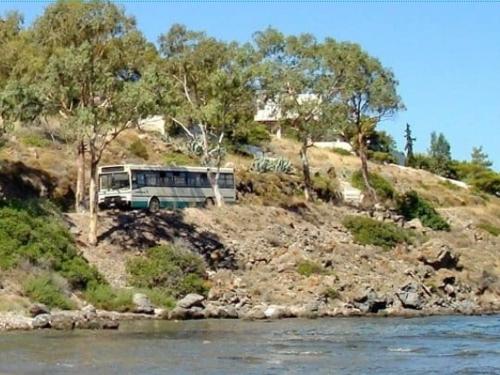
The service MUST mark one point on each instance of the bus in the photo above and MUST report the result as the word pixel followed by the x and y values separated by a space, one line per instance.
pixel 155 187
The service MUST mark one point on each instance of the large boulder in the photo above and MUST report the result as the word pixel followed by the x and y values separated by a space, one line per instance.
pixel 41 321
pixel 64 322
pixel 410 297
pixel 142 304
pixel 439 255
pixel 191 300
pixel 277 312
pixel 370 302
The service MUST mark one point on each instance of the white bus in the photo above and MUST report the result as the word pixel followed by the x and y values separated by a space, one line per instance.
pixel 155 187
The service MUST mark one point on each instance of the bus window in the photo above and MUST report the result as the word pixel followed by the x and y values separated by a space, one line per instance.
pixel 138 179
pixel 226 181
pixel 179 179
pixel 120 181
pixel 152 179
pixel 105 181
pixel 204 180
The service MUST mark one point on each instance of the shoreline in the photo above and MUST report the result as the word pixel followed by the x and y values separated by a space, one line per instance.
pixel 111 320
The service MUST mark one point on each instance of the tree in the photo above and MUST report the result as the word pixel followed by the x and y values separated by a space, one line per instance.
pixel 369 96
pixel 409 145
pixel 95 77
pixel 440 154
pixel 212 92
pixel 295 75
pixel 479 157
pixel 381 141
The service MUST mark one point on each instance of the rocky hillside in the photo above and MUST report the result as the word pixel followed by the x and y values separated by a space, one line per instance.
pixel 273 255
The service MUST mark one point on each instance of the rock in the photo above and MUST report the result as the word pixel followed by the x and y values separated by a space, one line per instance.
pixel 439 255
pixel 190 300
pixel 409 296
pixel 142 304
pixel 178 313
pixel 89 312
pixel 63 322
pixel 255 313
pixel 277 312
pixel 450 290
pixel 196 312
pixel 415 224
pixel 370 302
pixel 41 321
pixel 38 309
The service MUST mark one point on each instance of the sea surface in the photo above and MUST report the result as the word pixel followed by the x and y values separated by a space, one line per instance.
pixel 433 345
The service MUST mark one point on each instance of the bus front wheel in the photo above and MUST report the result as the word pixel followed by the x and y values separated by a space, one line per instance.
pixel 154 205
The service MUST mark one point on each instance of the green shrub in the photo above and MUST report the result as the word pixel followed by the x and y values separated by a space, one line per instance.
pixel 330 293
pixel 326 188
pixel 33 231
pixel 412 206
pixel 252 134
pixel 177 158
pixel 35 140
pixel 490 228
pixel 139 149
pixel 383 187
pixel 367 231
pixel 381 157
pixel 341 151
pixel 42 289
pixel 160 298
pixel 104 297
pixel 175 271
pixel 308 268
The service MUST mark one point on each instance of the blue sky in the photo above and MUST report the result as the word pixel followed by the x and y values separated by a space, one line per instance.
pixel 446 56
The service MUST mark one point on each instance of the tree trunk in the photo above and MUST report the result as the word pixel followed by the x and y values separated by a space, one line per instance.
pixel 80 177
pixel 278 132
pixel 214 179
pixel 93 201
pixel 364 165
pixel 306 172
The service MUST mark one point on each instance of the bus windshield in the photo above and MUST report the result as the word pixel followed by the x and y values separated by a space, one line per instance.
pixel 115 181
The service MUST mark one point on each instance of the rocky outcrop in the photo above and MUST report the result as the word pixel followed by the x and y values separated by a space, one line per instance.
pixel 410 296
pixel 142 304
pixel 439 255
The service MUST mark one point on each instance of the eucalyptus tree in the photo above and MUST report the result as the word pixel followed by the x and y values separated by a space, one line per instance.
pixel 294 75
pixel 212 92
pixel 369 95
pixel 96 76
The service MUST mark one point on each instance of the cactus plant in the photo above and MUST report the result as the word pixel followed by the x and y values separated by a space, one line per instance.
pixel 277 165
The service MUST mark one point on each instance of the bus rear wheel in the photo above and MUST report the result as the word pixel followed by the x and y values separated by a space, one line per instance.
pixel 154 205
pixel 209 202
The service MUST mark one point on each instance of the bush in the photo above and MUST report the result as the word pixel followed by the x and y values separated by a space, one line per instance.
pixel 326 188
pixel 252 134
pixel 412 206
pixel 341 151
pixel 177 158
pixel 160 298
pixel 174 271
pixel 490 228
pixel 307 268
pixel 42 289
pixel 330 293
pixel 104 297
pixel 33 231
pixel 367 231
pixel 138 149
pixel 35 140
pixel 381 157
pixel 383 187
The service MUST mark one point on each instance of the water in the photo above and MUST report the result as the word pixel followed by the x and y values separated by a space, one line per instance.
pixel 435 345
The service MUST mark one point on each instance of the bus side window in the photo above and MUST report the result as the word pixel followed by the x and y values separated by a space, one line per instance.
pixel 152 179
pixel 180 179
pixel 138 179
pixel 204 180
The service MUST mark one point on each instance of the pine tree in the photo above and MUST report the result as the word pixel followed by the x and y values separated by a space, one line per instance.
pixel 479 157
pixel 409 144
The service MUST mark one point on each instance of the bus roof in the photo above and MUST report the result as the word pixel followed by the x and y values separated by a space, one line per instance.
pixel 144 167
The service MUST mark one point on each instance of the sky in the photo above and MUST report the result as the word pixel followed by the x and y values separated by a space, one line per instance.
pixel 445 55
